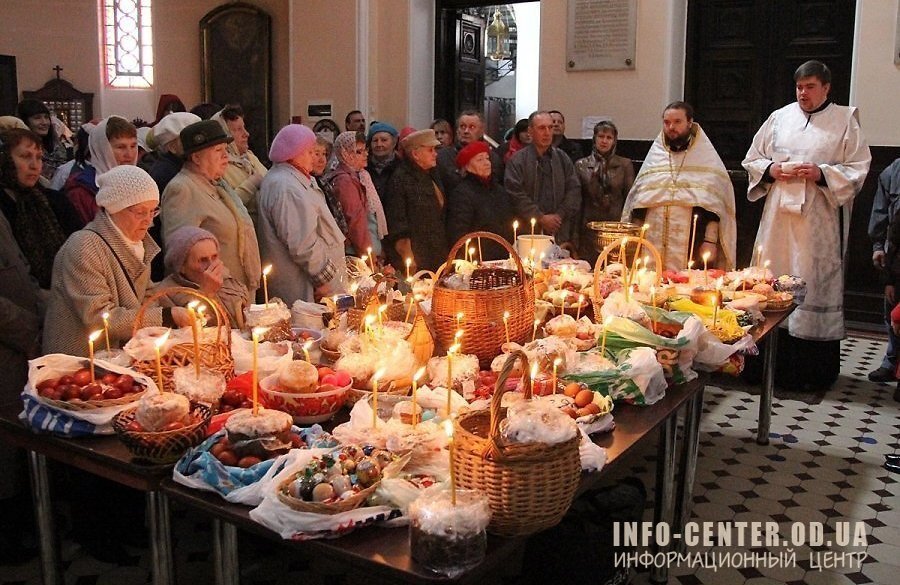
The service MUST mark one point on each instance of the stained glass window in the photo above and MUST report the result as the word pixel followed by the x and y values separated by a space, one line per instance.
pixel 127 43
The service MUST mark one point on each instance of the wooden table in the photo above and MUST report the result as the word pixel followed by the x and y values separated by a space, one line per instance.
pixel 103 456
pixel 767 331
pixel 385 551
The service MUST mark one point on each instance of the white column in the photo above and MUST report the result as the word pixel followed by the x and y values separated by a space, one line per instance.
pixel 528 57
pixel 420 81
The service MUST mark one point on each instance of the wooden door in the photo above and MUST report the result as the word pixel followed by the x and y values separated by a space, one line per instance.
pixel 459 67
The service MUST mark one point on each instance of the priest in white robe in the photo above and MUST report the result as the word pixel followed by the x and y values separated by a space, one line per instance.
pixel 809 159
pixel 683 178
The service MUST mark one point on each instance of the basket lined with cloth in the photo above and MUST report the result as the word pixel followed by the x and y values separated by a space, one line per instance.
pixel 530 486
pixel 214 355
pixel 493 292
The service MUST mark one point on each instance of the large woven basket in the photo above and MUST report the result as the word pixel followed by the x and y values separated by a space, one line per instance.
pixel 530 486
pixel 494 291
pixel 604 258
pixel 213 356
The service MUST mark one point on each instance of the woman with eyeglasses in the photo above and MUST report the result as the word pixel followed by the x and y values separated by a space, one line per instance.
pixel 366 225
pixel 105 268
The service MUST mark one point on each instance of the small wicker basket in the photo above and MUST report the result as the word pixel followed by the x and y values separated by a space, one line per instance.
pixel 162 447
pixel 493 292
pixel 343 505
pixel 604 257
pixel 530 486
pixel 214 356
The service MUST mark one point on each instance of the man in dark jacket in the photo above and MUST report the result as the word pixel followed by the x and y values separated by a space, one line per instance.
pixel 416 210
pixel 570 147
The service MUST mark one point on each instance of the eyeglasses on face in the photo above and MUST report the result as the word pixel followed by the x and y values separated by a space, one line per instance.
pixel 144 215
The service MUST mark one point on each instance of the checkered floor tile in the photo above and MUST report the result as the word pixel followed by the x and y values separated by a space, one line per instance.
pixel 823 464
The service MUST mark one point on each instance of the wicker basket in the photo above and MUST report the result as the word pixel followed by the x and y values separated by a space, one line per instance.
pixel 612 231
pixel 343 505
pixel 530 486
pixel 483 305
pixel 85 405
pixel 354 395
pixel 604 257
pixel 162 447
pixel 214 356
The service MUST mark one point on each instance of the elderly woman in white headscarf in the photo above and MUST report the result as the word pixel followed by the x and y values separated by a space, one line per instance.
pixel 366 224
pixel 244 172
pixel 112 143
pixel 105 268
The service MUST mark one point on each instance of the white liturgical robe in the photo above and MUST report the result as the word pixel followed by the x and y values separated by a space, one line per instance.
pixel 800 230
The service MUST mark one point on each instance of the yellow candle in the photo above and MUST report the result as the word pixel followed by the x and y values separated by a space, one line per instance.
pixel 515 231
pixel 693 240
pixel 91 339
pixel 371 258
pixel 534 329
pixel 375 379
pixel 160 341
pixel 193 313
pixel 106 330
pixel 578 310
pixel 448 428
pixel 556 363
pixel 257 332
pixel 265 274
pixel 306 347
pixel 637 253
pixel 415 405
pixel 606 323
pixel 705 273
pixel 533 223
pixel 457 337
pixel 412 301
pixel 480 259
pixel 506 325
pixel 450 352
pixel 408 264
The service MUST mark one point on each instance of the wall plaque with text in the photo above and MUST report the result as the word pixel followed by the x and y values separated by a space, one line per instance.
pixel 600 34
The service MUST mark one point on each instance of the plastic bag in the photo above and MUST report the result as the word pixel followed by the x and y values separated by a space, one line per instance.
pixel 71 423
pixel 637 379
pixel 270 356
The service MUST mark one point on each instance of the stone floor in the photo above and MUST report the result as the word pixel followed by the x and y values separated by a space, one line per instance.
pixel 823 464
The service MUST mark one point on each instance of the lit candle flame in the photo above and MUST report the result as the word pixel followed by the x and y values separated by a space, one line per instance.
pixel 162 339
pixel 267 270
pixel 96 334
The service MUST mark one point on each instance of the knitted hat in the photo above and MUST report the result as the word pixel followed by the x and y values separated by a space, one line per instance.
pixel 170 127
pixel 290 141
pixel 469 151
pixel 29 108
pixel 203 134
pixel 380 127
pixel 124 186
pixel 179 244
pixel 420 138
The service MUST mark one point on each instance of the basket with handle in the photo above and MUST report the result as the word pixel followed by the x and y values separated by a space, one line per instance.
pixel 604 257
pixel 530 486
pixel 215 355
pixel 370 302
pixel 494 292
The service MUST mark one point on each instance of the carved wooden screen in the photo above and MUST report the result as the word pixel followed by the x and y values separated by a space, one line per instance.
pixel 71 106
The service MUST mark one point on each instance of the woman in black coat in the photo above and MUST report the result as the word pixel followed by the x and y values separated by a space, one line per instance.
pixel 478 203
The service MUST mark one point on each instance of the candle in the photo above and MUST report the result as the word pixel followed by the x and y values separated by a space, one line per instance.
pixel 622 245
pixel 306 347
pixel 533 223
pixel 91 339
pixel 257 332
pixel 759 251
pixel 412 300
pixel 506 325
pixel 690 266
pixel 534 372
pixel 450 352
pixel 515 231
pixel 265 274
pixel 160 341
pixel 371 258
pixel 353 289
pixel 534 329
pixel 459 318
pixel 467 249
pixel 716 308
pixel 637 252
pixel 381 310
pixel 556 363
pixel 415 414
pixel 192 311
pixel 705 273
pixel 106 331
pixel 375 379
pixel 606 323
pixel 693 240
pixel 367 323
pixel 448 428
pixel 471 254
pixel 457 336
pixel 408 264
pixel 480 259
pixel 578 310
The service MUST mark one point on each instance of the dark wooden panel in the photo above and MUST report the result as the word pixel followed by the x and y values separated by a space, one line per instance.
pixel 9 86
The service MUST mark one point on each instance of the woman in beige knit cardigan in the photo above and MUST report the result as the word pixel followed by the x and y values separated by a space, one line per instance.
pixel 105 268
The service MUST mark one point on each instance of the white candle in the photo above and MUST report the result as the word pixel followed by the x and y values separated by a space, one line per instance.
pixel 160 341
pixel 448 428
pixel 418 375
pixel 408 264
pixel 265 274
pixel 91 339
pixel 306 347
pixel 556 363
pixel 106 331
pixel 375 379
pixel 506 325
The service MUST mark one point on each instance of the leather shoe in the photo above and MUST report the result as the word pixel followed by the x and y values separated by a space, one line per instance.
pixel 893 458
pixel 882 375
pixel 892 467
